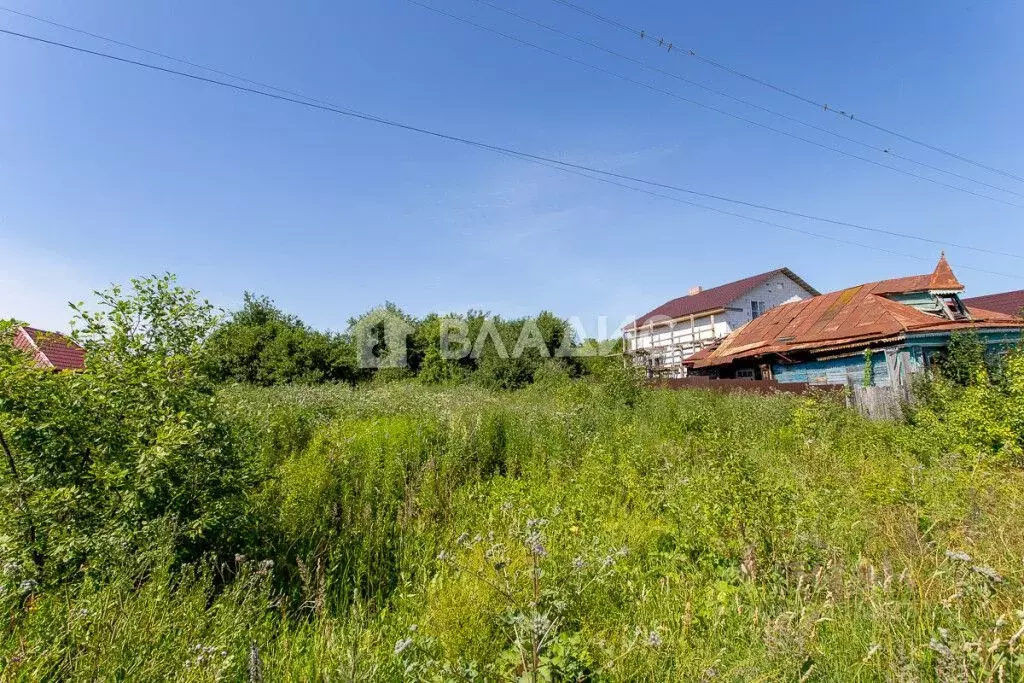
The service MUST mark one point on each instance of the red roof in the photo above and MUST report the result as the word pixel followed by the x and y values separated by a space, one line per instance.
pixel 51 349
pixel 852 317
pixel 1008 303
pixel 714 299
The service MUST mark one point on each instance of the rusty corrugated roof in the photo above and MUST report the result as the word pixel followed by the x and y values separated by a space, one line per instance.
pixel 858 315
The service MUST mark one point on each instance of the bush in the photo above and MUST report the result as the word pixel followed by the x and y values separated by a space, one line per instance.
pixel 262 345
pixel 99 461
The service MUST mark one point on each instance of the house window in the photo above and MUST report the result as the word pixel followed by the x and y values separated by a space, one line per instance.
pixel 954 308
pixel 757 308
pixel 745 373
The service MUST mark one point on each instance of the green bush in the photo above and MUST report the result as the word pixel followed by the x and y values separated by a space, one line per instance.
pixel 98 460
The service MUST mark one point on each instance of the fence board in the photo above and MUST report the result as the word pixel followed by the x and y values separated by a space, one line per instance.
pixel 740 386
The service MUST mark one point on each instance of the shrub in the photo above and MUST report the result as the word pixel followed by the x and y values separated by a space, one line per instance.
pixel 99 460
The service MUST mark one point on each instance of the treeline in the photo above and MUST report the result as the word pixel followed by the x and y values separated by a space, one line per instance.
pixel 262 345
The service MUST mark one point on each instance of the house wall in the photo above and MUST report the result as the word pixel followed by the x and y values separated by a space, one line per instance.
pixel 908 358
pixel 922 301
pixel 848 370
pixel 775 292
pixel 675 342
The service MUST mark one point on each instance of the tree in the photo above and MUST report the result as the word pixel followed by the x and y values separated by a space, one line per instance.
pixel 261 344
pixel 104 463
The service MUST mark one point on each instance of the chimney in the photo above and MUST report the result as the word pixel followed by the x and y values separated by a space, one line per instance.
pixel 695 290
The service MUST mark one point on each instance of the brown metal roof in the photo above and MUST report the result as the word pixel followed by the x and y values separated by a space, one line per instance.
pixel 1008 303
pixel 713 299
pixel 856 316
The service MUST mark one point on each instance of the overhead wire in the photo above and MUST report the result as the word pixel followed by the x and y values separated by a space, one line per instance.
pixel 824 106
pixel 709 107
pixel 562 165
pixel 721 93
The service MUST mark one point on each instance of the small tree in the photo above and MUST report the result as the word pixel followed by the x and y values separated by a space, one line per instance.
pixel 965 358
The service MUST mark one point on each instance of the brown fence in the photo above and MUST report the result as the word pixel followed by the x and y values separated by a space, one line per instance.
pixel 739 386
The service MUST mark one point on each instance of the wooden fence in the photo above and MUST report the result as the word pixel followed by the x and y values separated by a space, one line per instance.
pixel 876 403
pixel 763 387
pixel 880 403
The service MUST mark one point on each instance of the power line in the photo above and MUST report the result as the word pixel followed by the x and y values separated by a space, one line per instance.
pixel 562 165
pixel 162 55
pixel 709 107
pixel 720 93
pixel 761 221
pixel 670 46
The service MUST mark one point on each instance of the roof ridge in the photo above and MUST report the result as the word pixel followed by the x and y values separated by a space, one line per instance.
pixel 711 295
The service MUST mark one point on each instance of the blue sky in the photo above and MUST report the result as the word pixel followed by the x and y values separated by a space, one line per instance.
pixel 107 171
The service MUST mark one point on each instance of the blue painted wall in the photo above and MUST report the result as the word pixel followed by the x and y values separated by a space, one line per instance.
pixel 918 347
pixel 835 371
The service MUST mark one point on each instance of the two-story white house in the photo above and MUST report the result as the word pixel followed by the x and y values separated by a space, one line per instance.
pixel 666 336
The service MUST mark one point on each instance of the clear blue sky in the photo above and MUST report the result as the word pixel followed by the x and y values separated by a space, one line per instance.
pixel 108 172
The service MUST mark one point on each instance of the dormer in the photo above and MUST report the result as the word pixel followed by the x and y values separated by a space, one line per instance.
pixel 937 294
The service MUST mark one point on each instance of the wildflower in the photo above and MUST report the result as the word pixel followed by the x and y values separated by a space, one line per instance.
pixel 463 537
pixel 654 639
pixel 27 585
pixel 989 573
pixel 540 624
pixel 958 556
pixel 578 563
pixel 402 645
pixel 239 558
pixel 941 648
pixel 557 510
pixel 12 568
pixel 872 650
pixel 413 628
pixel 443 556
pixel 535 523
pixel 535 544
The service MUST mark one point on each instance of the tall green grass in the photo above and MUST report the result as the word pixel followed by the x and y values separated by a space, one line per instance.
pixel 571 531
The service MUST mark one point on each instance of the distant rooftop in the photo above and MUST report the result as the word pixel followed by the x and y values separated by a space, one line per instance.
pixel 1010 303
pixel 51 349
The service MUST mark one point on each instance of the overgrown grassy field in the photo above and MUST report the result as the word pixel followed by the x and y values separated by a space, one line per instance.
pixel 573 530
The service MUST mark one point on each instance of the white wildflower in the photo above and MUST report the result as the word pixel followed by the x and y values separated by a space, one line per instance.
pixel 402 645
